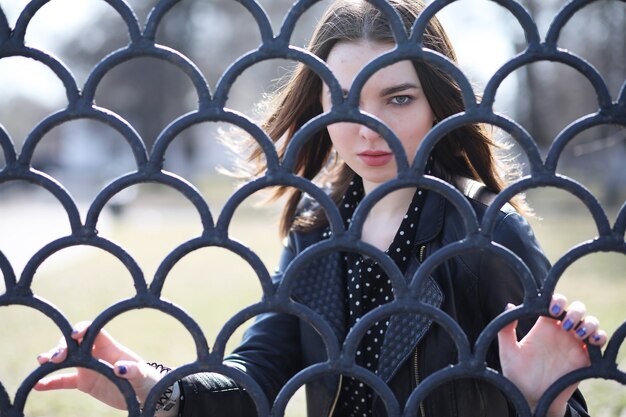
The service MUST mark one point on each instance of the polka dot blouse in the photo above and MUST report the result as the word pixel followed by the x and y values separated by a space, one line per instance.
pixel 367 288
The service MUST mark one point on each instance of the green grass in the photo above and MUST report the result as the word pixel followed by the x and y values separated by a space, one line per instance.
pixel 213 284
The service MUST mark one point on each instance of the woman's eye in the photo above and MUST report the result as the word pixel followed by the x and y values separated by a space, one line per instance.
pixel 400 100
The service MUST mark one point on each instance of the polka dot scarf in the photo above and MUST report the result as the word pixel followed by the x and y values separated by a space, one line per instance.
pixel 367 288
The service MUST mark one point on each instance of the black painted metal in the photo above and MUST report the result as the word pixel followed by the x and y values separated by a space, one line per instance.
pixel 211 107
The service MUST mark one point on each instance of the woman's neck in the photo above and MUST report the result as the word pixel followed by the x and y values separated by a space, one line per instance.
pixel 385 217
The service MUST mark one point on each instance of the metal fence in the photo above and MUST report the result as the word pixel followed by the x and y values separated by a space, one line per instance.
pixel 211 107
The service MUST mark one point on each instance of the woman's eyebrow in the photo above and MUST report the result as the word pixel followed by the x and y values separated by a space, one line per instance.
pixel 386 91
pixel 397 88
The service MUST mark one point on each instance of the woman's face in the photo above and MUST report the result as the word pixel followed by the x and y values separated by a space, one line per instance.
pixel 393 94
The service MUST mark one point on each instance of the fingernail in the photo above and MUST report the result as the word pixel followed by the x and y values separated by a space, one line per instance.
pixel 568 324
pixel 581 332
pixel 122 369
pixel 596 338
pixel 556 309
pixel 55 354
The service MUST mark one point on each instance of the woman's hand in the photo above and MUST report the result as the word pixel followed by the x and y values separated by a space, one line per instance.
pixel 125 363
pixel 551 349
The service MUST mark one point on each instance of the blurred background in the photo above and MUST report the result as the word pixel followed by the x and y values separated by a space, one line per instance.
pixel 543 97
pixel 149 221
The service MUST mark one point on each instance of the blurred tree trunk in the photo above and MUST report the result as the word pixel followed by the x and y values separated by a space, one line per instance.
pixel 150 93
pixel 530 108
pixel 554 95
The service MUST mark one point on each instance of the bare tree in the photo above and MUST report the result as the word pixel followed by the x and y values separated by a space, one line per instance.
pixel 150 93
pixel 554 95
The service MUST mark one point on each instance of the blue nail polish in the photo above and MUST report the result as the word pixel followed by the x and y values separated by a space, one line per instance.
pixel 581 332
pixel 556 309
pixel 568 324
pixel 596 338
pixel 122 369
pixel 55 354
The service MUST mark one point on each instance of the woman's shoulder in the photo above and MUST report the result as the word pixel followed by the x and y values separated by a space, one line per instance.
pixel 510 230
pixel 299 239
pixel 510 226
pixel 478 193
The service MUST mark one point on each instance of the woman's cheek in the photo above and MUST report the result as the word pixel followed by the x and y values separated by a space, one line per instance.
pixel 339 132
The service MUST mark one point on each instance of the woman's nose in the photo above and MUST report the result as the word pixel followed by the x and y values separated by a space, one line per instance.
pixel 368 133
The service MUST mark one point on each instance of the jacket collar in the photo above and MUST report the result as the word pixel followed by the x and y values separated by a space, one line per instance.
pixel 327 296
pixel 431 220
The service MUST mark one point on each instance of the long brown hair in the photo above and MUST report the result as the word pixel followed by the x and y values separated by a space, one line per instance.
pixel 467 151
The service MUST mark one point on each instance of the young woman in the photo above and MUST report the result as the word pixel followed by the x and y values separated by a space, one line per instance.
pixel 408 225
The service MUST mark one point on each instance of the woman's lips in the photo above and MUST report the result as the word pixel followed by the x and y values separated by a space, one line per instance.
pixel 375 158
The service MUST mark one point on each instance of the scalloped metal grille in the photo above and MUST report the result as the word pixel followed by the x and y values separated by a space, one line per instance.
pixel 212 108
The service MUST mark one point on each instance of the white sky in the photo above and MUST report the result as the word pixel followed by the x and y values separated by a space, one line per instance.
pixel 57 21
pixel 481 32
pixel 477 28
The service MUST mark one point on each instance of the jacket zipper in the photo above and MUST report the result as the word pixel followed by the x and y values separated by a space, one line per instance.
pixel 416 368
pixel 417 376
pixel 422 252
pixel 332 407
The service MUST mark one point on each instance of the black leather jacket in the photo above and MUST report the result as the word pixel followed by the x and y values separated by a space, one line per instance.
pixel 472 288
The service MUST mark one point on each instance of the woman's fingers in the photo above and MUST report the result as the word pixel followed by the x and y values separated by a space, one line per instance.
pixel 128 370
pixel 79 330
pixel 589 329
pixel 575 314
pixel 59 353
pixel 598 338
pixel 105 347
pixel 588 325
pixel 126 364
pixel 55 355
pixel 574 319
pixel 140 375
pixel 558 305
pixel 63 381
